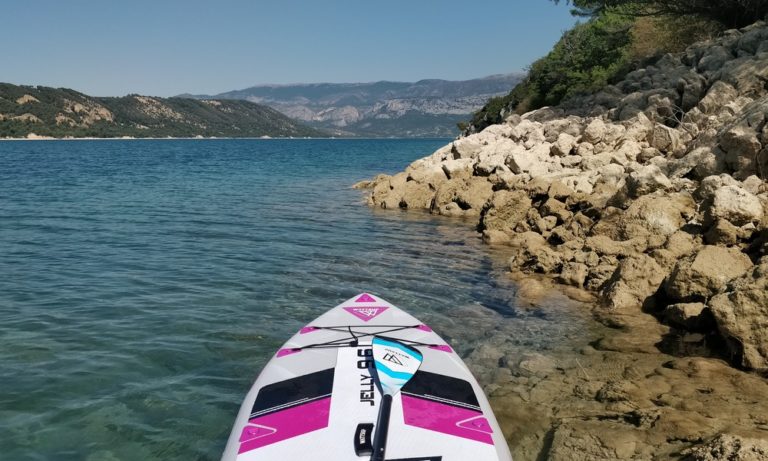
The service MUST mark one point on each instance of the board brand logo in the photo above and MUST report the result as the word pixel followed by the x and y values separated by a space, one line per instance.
pixel 365 313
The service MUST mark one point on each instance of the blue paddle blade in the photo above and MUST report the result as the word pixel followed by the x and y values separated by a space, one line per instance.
pixel 395 363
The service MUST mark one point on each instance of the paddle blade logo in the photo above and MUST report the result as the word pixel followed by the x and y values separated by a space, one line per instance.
pixel 392 358
pixel 365 313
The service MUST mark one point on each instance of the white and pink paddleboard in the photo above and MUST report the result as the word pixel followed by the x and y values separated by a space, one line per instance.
pixel 310 400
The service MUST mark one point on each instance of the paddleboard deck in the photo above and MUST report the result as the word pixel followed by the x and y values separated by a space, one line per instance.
pixel 310 398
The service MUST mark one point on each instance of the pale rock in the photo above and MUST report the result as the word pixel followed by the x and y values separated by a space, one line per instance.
pixel 647 153
pixel 579 183
pixel 664 138
pixel 570 125
pixel 741 146
pixel 585 149
pixel 611 174
pixel 458 169
pixel 629 150
pixel 521 160
pixel 521 131
pixel 466 148
pixel 638 128
pixel 595 131
pixel 613 133
pixel 602 147
pixel 706 273
pixel 432 175
pixel 703 161
pixel 535 137
pixel 571 161
pixel 595 162
pixel 646 180
pixel 488 164
pixel 752 184
pixel 736 205
pixel 500 130
pixel 656 215
pixel 710 184
pixel 564 145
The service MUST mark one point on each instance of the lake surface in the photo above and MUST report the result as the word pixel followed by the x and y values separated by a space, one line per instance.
pixel 144 283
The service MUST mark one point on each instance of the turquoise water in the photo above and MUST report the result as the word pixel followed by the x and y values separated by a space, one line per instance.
pixel 143 284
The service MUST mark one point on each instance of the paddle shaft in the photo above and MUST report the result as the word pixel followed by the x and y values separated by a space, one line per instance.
pixel 382 429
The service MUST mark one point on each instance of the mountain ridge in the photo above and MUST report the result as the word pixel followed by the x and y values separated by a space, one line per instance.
pixel 381 108
pixel 34 111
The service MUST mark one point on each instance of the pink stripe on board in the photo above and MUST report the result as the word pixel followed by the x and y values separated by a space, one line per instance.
pixel 365 298
pixel 424 328
pixel 284 352
pixel 285 424
pixel 448 419
pixel 442 347
pixel 306 330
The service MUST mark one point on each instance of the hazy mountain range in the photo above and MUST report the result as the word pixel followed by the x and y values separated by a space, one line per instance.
pixel 379 109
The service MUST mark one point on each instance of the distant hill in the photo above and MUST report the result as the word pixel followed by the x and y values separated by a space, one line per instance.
pixel 61 112
pixel 380 109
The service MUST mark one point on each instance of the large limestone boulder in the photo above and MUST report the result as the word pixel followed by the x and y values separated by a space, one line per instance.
pixel 702 275
pixel 718 95
pixel 505 211
pixel 461 197
pixel 466 148
pixel 734 204
pixel 664 138
pixel 633 284
pixel 647 179
pixel 564 145
pixel 533 254
pixel 741 314
pixel 741 145
pixel 416 196
pixel 595 131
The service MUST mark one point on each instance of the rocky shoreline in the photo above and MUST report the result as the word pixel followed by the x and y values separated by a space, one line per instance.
pixel 651 195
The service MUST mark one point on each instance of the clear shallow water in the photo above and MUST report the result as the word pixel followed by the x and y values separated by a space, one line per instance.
pixel 143 284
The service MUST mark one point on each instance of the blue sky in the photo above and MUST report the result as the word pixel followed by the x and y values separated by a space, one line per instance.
pixel 167 47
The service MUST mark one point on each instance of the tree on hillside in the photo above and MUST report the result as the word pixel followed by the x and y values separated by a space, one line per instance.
pixel 729 13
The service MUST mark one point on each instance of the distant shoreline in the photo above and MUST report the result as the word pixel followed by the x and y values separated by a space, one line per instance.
pixel 202 139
